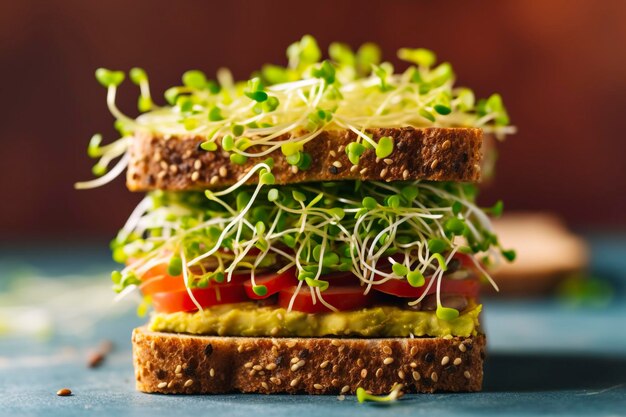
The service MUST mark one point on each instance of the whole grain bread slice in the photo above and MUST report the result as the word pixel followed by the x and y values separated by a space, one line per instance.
pixel 177 163
pixel 173 363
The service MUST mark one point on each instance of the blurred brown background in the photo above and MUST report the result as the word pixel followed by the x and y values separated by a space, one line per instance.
pixel 560 66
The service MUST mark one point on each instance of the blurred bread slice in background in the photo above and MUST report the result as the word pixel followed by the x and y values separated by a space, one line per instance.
pixel 547 253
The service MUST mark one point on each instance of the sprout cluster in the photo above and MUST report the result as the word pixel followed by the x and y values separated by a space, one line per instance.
pixel 378 231
pixel 286 107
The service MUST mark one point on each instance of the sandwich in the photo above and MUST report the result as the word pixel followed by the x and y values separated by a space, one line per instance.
pixel 310 230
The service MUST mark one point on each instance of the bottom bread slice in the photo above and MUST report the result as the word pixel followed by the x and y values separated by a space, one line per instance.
pixel 172 363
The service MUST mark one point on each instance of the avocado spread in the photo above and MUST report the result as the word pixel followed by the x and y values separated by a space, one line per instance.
pixel 248 319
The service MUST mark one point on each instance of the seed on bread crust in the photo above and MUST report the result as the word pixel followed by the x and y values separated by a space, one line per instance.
pixel 227 370
pixel 436 154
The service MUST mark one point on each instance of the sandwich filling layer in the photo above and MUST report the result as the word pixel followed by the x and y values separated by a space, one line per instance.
pixel 312 248
pixel 247 319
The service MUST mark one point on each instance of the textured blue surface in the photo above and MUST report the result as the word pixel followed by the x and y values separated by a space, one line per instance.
pixel 544 359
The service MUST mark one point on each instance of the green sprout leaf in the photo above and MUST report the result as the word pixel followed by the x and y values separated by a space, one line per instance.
pixel 237 130
pixel 497 209
pixel 494 105
pixel 325 71
pixel 509 254
pixel 454 226
pixel 436 245
pixel 399 269
pixel 171 95
pixel 415 278
pixel 138 75
pixel 209 146
pixel 238 159
pixel 304 52
pixel 367 56
pixel 291 148
pixel 427 115
pixel 228 143
pixel 93 150
pixel 369 203
pixel 175 266
pixel 116 277
pixel 441 109
pixel 466 99
pixel 273 195
pixel 305 161
pixel 420 56
pixel 447 313
pixel 267 178
pixel 108 78
pixel 215 114
pixel 259 96
pixel 442 262
pixel 362 395
pixel 260 290
pixel 194 79
pixel 317 283
pixel 341 53
pixel 384 148
pixel 298 196
pixel 294 159
pixel 354 150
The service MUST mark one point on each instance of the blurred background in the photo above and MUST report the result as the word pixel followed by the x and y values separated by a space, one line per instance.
pixel 559 64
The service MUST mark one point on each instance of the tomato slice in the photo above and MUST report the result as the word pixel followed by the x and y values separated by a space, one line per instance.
pixel 401 288
pixel 156 279
pixel 214 294
pixel 273 282
pixel 343 298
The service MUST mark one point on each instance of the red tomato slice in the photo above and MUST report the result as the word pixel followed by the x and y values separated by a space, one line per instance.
pixel 343 298
pixel 273 282
pixel 156 279
pixel 401 288
pixel 215 294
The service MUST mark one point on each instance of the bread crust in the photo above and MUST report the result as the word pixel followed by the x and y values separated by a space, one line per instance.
pixel 172 363
pixel 439 154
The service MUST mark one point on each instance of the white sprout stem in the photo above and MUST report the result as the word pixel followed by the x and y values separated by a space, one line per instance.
pixel 186 280
pixel 134 218
pixel 231 225
pixel 124 293
pixel 243 180
pixel 293 297
pixel 106 178
pixel 318 292
pixel 452 252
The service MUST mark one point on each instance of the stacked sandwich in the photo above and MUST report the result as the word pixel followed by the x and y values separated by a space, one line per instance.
pixel 312 230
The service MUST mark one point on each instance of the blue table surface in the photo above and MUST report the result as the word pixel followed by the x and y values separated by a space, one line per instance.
pixel 544 358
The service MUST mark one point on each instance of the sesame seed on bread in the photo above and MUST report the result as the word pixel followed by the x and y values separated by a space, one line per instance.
pixel 177 163
pixel 171 363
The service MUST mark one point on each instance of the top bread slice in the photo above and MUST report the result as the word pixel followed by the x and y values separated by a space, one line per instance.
pixel 177 163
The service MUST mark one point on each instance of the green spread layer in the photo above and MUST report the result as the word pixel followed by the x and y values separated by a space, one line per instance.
pixel 247 319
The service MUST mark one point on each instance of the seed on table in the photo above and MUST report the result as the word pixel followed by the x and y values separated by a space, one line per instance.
pixel 64 392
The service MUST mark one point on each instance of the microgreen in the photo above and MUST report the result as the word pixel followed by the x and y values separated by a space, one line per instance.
pixel 420 56
pixel 109 78
pixel 260 290
pixel 194 79
pixel 446 313
pixel 384 148
pixel 363 396
pixel 415 278
pixel 332 227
